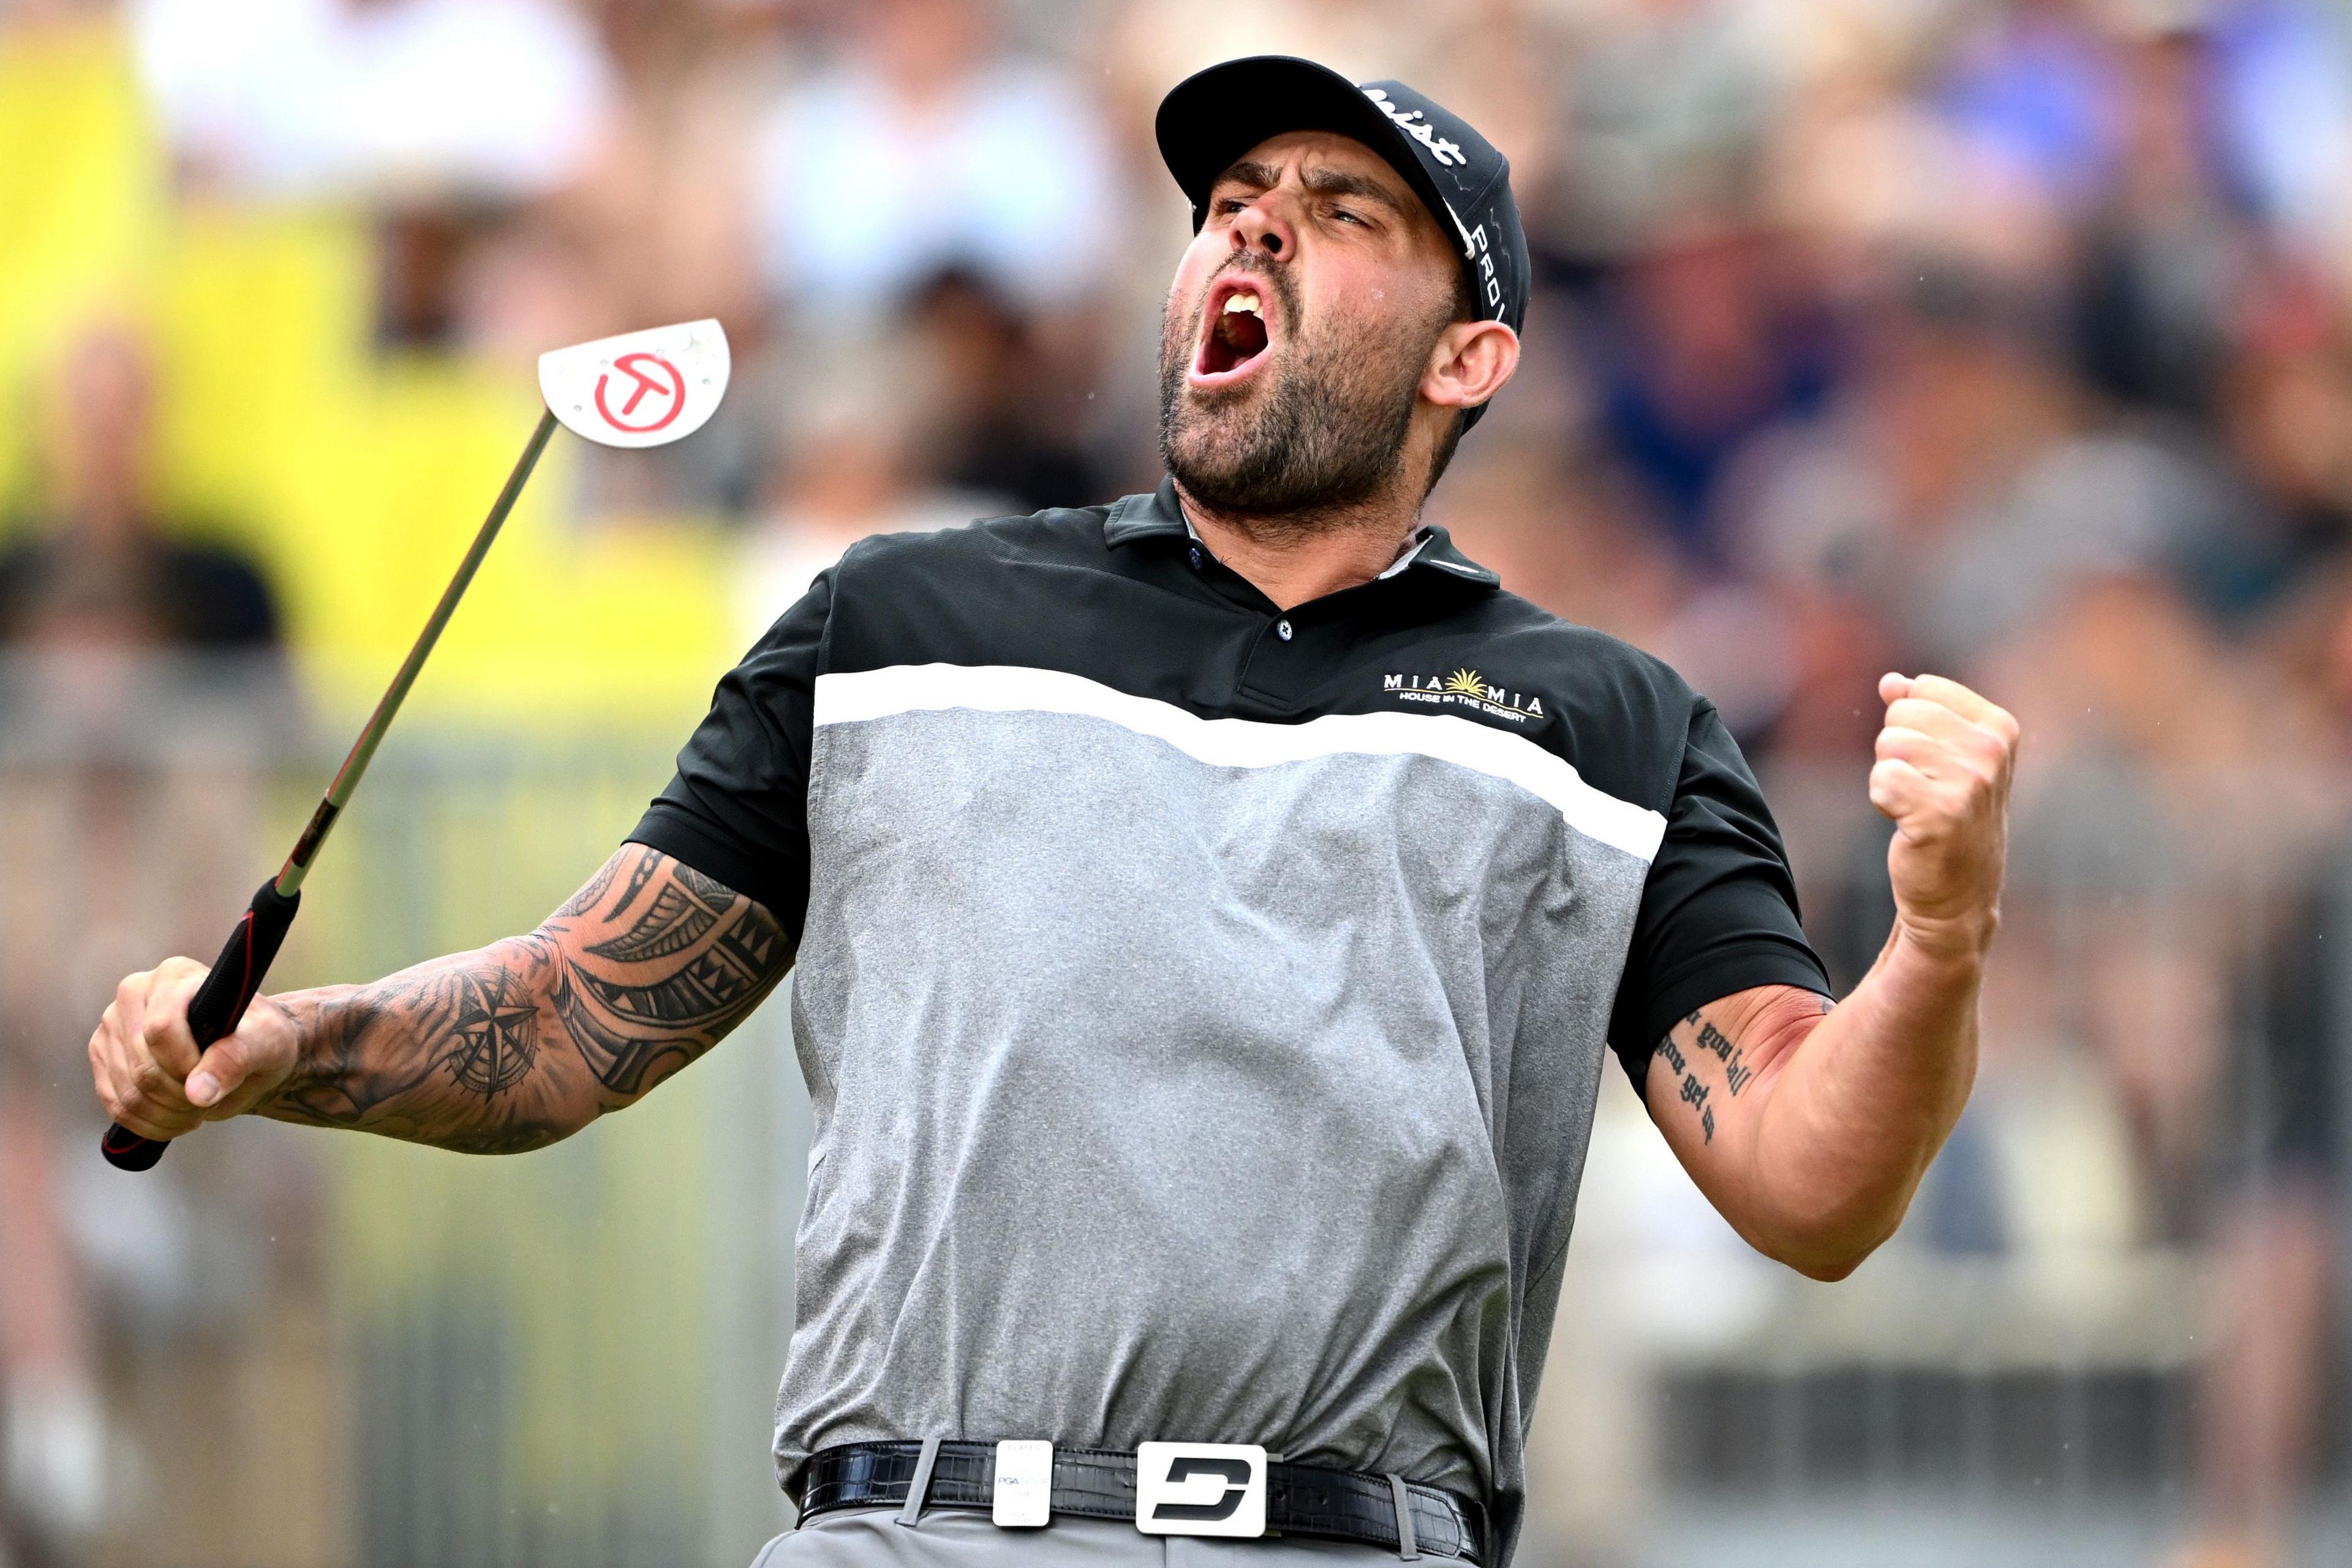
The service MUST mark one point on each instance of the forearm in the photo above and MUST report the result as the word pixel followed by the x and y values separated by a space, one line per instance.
pixel 1856 1111
pixel 528 1041
pixel 1809 1127
pixel 455 1052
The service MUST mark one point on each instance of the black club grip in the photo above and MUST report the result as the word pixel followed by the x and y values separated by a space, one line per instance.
pixel 218 1004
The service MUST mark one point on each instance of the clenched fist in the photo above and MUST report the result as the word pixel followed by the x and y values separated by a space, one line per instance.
pixel 1944 761
pixel 145 1062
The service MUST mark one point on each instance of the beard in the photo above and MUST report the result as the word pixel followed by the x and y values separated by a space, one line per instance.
pixel 1318 431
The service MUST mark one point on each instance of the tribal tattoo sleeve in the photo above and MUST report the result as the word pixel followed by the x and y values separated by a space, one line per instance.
pixel 519 1044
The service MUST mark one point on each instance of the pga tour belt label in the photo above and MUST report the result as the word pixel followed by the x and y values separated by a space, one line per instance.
pixel 1200 1489
pixel 640 389
pixel 1024 1496
pixel 1465 689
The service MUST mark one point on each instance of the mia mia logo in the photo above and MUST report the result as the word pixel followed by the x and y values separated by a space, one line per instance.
pixel 1465 689
pixel 1415 124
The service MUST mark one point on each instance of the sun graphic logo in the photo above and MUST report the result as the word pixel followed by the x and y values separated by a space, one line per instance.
pixel 1466 683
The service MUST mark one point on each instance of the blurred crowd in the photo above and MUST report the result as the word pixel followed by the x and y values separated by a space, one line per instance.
pixel 2011 339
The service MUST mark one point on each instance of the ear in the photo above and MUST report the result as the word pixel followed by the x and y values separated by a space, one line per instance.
pixel 1469 364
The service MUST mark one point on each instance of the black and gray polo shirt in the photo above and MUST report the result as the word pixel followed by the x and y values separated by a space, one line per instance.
pixel 1202 1003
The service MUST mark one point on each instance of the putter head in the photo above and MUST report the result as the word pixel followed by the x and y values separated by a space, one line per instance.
pixel 640 389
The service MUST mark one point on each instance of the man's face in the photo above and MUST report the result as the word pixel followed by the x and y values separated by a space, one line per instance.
pixel 1299 328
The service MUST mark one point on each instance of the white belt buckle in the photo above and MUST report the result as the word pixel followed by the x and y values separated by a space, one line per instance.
pixel 1200 1489
pixel 1023 1497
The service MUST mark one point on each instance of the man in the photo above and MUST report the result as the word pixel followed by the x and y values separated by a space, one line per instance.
pixel 1211 910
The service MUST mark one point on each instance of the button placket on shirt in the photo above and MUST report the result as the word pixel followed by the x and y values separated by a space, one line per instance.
pixel 1279 668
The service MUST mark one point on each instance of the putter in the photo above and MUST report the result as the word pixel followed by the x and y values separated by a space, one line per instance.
pixel 641 389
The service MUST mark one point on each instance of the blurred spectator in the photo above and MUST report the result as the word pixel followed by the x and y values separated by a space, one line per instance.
pixel 94 589
pixel 2280 1365
pixel 2033 88
pixel 291 99
pixel 2168 254
pixel 439 116
pixel 1667 110
pixel 1704 339
pixel 2284 408
pixel 926 144
pixel 1010 426
pixel 857 460
pixel 100 568
pixel 653 225
pixel 1578 544
pixel 1956 485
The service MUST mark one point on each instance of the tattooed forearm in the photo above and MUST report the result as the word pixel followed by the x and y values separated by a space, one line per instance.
pixel 528 1041
pixel 620 1063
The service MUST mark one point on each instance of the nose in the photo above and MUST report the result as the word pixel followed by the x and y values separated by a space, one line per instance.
pixel 1261 226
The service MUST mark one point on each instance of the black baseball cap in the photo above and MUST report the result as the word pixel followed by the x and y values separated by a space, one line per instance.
pixel 1210 119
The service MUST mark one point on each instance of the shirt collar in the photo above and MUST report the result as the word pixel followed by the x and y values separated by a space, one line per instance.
pixel 1159 515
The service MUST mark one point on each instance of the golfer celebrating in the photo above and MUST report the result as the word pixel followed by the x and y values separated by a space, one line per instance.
pixel 1209 912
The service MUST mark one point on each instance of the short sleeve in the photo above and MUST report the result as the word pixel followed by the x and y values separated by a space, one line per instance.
pixel 737 809
pixel 1719 910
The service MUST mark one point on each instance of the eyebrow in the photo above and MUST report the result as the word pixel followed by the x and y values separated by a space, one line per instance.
pixel 1319 182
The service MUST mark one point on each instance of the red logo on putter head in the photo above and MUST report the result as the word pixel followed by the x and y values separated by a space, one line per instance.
pixel 653 375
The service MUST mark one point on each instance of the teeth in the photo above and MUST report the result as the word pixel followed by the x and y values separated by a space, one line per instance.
pixel 1243 301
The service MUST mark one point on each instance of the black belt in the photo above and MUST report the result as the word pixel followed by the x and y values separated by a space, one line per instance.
pixel 1099 1483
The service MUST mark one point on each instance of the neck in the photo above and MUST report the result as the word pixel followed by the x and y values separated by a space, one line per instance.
pixel 1293 557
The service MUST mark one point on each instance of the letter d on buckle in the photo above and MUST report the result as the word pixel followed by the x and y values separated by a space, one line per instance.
pixel 1200 1489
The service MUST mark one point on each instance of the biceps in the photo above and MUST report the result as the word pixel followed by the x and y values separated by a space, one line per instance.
pixel 655 962
pixel 1707 1084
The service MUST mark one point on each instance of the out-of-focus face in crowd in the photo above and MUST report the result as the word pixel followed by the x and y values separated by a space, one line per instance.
pixel 98 442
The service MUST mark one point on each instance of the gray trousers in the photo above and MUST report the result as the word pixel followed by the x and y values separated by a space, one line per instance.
pixel 958 1538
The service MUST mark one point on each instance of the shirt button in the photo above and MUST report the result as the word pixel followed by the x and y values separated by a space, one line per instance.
pixel 1196 557
pixel 1282 630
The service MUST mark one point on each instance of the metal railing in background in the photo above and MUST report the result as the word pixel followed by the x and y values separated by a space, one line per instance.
pixel 319 1349
pixel 322 1349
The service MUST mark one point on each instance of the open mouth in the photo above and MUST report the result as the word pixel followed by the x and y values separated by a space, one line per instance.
pixel 1236 337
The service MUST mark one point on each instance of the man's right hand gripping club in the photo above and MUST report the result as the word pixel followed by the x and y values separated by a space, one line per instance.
pixel 150 1075
pixel 505 1048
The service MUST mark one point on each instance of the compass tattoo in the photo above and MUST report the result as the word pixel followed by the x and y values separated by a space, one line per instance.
pixel 496 1032
pixel 648 966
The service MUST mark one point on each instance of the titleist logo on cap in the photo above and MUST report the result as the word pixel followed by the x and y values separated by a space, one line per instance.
pixel 1415 125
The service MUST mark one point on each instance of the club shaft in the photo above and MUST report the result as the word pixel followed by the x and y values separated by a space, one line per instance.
pixel 362 751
